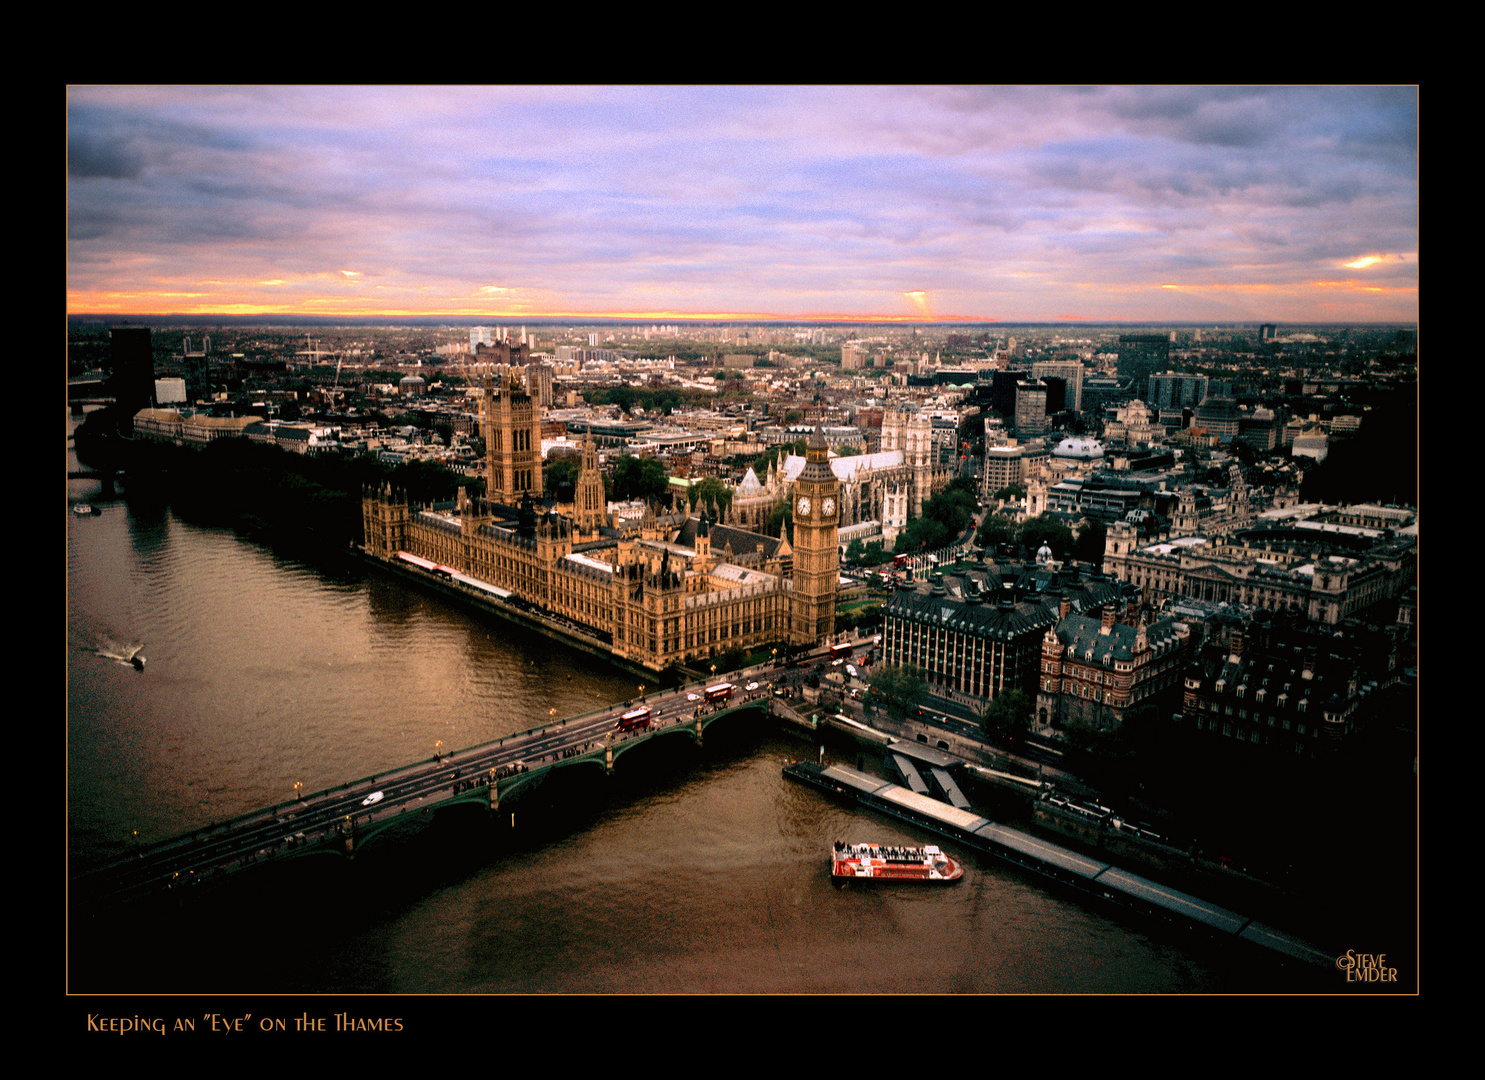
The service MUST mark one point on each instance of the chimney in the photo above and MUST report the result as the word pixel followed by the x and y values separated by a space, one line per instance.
pixel 1108 619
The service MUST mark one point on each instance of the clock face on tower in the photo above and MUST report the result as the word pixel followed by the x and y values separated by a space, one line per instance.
pixel 804 505
pixel 828 506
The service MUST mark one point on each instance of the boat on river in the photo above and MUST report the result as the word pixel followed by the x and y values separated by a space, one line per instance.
pixel 885 862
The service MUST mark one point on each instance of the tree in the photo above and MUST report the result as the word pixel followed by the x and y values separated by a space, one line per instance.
pixel 781 520
pixel 1090 543
pixel 863 618
pixel 639 478
pixel 996 529
pixel 777 454
pixel 710 494
pixel 898 690
pixel 1047 530
pixel 944 517
pixel 1008 718
pixel 562 470
pixel 731 660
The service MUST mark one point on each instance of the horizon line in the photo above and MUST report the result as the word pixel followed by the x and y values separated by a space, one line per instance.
pixel 724 318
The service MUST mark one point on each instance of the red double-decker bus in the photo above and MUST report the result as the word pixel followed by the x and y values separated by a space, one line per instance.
pixel 634 720
pixel 843 649
pixel 720 692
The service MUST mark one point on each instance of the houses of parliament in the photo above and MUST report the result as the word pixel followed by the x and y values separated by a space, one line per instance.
pixel 677 589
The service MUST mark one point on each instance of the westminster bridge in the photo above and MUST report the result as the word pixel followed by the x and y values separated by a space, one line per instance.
pixel 343 820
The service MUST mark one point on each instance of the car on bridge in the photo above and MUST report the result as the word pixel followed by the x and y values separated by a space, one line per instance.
pixel 374 797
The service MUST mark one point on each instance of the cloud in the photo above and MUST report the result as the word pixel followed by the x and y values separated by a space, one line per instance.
pixel 737 198
pixel 93 156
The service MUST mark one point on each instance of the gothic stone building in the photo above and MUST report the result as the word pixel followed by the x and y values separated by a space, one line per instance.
pixel 658 595
pixel 889 486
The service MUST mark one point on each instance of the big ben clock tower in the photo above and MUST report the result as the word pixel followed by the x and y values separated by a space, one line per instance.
pixel 816 546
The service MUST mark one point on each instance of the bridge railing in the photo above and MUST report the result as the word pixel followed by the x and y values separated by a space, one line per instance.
pixel 279 810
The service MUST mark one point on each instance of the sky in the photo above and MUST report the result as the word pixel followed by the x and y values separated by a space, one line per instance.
pixel 984 203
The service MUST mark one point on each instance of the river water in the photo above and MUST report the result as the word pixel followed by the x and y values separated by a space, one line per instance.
pixel 695 871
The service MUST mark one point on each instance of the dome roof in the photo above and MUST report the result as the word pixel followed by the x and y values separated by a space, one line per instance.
pixel 1079 446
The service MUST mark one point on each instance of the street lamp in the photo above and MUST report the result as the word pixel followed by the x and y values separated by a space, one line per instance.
pixel 438 750
pixel 299 790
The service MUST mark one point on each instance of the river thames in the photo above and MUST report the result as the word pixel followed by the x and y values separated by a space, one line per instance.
pixel 695 872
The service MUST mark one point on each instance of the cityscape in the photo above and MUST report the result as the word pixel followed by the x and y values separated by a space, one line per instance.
pixel 1137 586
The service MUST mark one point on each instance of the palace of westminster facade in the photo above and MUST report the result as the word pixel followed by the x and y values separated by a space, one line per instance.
pixel 676 590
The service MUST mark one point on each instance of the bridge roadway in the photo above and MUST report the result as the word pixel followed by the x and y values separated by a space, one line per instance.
pixel 344 818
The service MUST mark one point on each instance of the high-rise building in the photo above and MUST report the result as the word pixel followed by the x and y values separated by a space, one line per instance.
pixel 539 384
pixel 1174 391
pixel 133 382
pixel 1003 390
pixel 1004 466
pixel 1140 356
pixel 1259 429
pixel 1071 371
pixel 1057 394
pixel 1219 415
pixel 1031 408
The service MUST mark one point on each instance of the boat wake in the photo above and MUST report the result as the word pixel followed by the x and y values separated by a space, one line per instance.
pixel 126 654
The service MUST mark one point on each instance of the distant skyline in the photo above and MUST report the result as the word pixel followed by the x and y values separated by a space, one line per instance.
pixel 983 204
